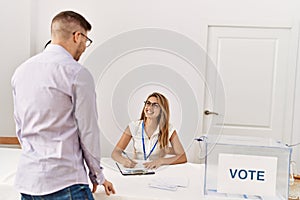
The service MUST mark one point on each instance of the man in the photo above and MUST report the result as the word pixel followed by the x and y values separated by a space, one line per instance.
pixel 56 117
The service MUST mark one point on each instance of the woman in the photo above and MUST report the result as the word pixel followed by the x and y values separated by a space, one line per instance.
pixel 153 137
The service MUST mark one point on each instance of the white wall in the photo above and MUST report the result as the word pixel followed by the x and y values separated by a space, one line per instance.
pixel 15 42
pixel 296 121
pixel 28 29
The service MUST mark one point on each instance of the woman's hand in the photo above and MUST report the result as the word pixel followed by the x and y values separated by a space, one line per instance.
pixel 153 164
pixel 128 163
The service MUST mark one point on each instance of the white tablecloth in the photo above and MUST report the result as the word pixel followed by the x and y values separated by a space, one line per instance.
pixel 127 187
pixel 9 159
pixel 137 187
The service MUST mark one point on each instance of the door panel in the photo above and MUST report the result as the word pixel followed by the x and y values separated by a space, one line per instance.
pixel 253 62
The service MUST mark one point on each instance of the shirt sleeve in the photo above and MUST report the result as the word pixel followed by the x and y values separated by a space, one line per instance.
pixel 134 127
pixel 87 117
pixel 171 130
pixel 16 118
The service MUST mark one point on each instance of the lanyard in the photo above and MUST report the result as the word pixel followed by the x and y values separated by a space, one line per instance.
pixel 143 141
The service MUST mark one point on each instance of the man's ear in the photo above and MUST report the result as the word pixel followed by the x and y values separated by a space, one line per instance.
pixel 76 36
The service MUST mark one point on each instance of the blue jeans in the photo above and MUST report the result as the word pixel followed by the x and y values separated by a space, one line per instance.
pixel 74 192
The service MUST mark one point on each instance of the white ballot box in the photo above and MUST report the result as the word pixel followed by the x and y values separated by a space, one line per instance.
pixel 240 167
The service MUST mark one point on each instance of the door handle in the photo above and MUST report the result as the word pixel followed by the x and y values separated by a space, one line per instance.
pixel 207 112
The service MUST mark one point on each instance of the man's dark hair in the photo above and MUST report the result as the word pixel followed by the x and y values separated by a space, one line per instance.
pixel 73 17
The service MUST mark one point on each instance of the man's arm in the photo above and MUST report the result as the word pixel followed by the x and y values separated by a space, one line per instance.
pixel 86 117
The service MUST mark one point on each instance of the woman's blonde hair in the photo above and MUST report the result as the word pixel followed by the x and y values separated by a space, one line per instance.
pixel 162 119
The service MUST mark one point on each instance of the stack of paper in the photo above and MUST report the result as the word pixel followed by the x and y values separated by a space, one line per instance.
pixel 169 183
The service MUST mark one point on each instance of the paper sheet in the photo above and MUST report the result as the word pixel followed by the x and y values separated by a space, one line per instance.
pixel 169 183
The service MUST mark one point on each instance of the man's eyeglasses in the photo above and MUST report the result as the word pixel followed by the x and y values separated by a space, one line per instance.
pixel 149 103
pixel 88 40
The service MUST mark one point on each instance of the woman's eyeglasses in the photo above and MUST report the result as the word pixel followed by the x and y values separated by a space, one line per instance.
pixel 149 103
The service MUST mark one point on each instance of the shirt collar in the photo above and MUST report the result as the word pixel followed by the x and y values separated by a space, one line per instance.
pixel 57 48
pixel 156 132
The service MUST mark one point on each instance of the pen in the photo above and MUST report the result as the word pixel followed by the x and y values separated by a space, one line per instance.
pixel 127 156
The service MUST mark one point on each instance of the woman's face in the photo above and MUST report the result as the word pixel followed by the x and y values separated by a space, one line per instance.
pixel 152 108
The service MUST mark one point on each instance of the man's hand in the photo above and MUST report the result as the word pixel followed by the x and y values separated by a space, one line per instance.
pixel 94 187
pixel 108 187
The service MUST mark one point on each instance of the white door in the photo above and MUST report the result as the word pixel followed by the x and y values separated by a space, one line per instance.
pixel 257 66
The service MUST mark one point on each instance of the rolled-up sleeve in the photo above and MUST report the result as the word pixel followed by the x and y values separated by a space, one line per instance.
pixel 85 111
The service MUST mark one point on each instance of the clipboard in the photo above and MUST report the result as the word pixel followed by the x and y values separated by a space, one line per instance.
pixel 134 171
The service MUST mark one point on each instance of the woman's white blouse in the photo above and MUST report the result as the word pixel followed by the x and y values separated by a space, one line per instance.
pixel 136 133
